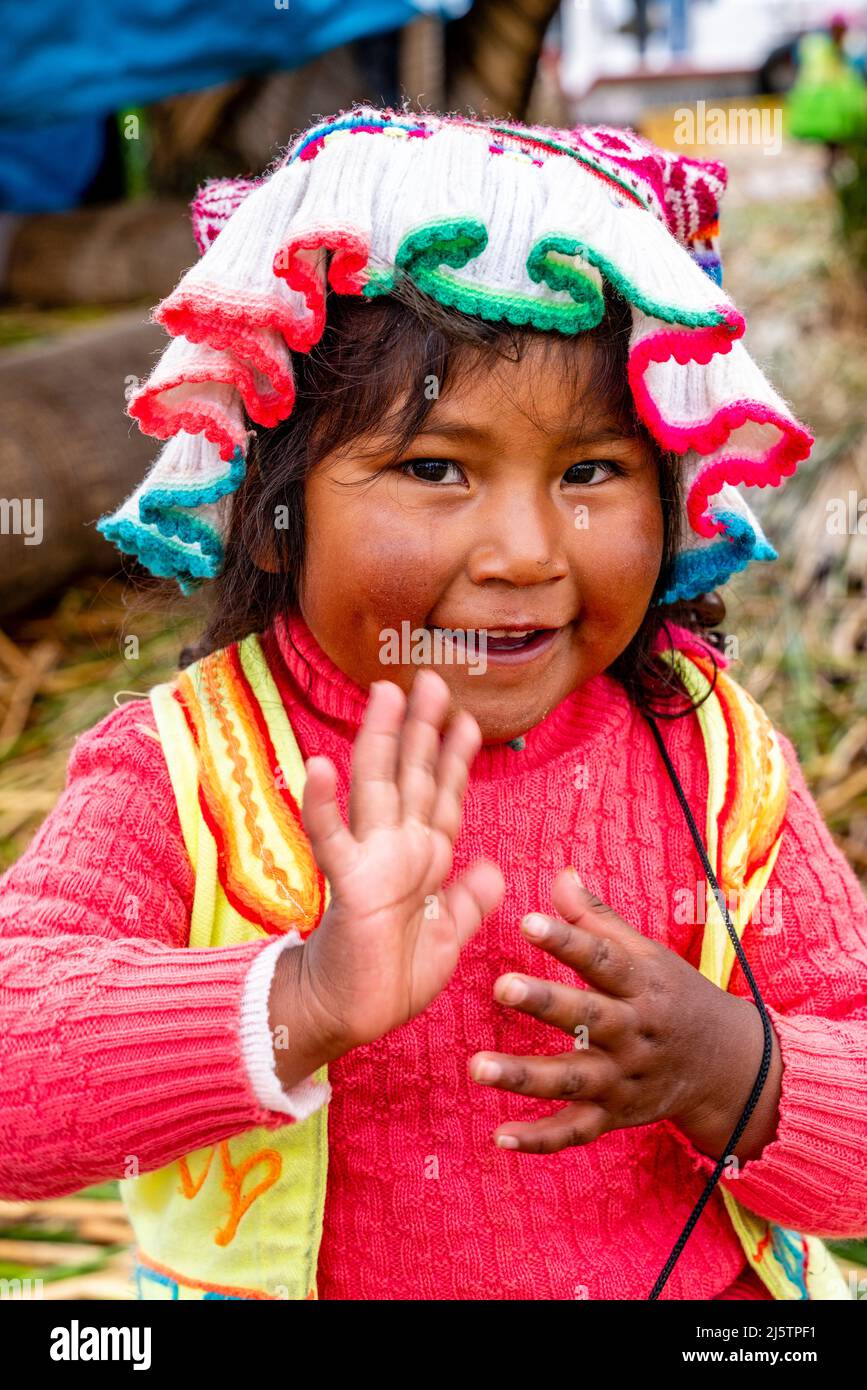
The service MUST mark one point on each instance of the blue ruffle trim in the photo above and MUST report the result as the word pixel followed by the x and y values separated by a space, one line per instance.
pixel 172 553
pixel 699 571
pixel 164 558
pixel 153 502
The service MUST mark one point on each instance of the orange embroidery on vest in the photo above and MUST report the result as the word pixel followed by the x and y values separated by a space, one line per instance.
pixel 188 1187
pixel 183 1280
pixel 763 1244
pixel 233 1182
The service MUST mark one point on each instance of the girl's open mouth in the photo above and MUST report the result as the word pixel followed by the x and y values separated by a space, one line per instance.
pixel 506 647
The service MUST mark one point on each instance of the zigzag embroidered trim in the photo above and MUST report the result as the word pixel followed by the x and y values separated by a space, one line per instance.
pixel 248 807
pixel 315 141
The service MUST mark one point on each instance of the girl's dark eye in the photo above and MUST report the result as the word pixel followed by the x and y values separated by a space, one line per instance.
pixel 432 470
pixel 583 472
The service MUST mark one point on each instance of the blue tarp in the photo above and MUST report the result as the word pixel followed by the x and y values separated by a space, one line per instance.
pixel 46 168
pixel 66 67
pixel 63 60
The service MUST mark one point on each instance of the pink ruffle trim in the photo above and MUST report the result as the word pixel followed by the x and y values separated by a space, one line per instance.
pixel 158 417
pixel 350 252
pixel 706 436
pixel 780 461
pixel 205 316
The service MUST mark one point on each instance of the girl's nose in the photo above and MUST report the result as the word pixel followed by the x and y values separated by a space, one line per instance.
pixel 520 544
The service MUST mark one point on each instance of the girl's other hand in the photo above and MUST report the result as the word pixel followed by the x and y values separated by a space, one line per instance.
pixel 654 1039
pixel 390 939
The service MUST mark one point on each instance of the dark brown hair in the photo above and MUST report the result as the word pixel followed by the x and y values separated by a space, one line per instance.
pixel 371 351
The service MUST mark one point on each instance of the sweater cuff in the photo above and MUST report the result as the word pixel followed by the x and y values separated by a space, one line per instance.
pixel 810 1177
pixel 257 1041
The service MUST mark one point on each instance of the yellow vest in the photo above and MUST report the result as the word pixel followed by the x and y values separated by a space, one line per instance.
pixel 243 1218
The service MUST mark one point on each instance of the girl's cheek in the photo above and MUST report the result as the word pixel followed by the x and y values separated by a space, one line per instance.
pixel 635 566
pixel 621 557
pixel 375 574
pixel 616 571
pixel 401 575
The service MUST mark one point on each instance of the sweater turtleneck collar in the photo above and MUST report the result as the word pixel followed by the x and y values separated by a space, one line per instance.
pixel 596 712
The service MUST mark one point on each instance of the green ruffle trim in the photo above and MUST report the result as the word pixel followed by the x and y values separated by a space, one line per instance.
pixel 455 241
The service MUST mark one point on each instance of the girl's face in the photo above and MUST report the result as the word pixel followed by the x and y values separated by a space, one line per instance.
pixel 512 509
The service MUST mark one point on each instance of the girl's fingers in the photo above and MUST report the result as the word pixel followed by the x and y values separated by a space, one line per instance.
pixel 567 1128
pixel 461 743
pixel 333 846
pixel 570 1076
pixel 605 1019
pixel 592 945
pixel 420 745
pixel 468 900
pixel 374 800
pixel 577 904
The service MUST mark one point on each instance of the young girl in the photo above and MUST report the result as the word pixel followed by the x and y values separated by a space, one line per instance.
pixel 302 955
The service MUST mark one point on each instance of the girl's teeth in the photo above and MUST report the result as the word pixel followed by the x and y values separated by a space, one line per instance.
pixel 501 632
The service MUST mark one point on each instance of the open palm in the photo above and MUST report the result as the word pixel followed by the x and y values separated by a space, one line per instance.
pixel 392 935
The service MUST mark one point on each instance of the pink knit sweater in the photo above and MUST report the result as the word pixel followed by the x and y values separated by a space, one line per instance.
pixel 114 1041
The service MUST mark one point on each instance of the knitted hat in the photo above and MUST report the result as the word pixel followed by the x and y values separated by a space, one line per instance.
pixel 523 224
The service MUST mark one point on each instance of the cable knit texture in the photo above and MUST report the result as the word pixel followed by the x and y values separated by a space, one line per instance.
pixel 115 1044
pixel 117 1048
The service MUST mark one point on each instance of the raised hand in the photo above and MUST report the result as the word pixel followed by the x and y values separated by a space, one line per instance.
pixel 663 1041
pixel 390 939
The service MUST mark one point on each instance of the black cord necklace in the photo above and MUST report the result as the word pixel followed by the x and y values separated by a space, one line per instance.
pixel 766 1024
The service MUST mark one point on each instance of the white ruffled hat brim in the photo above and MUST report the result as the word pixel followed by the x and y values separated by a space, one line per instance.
pixel 515 224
